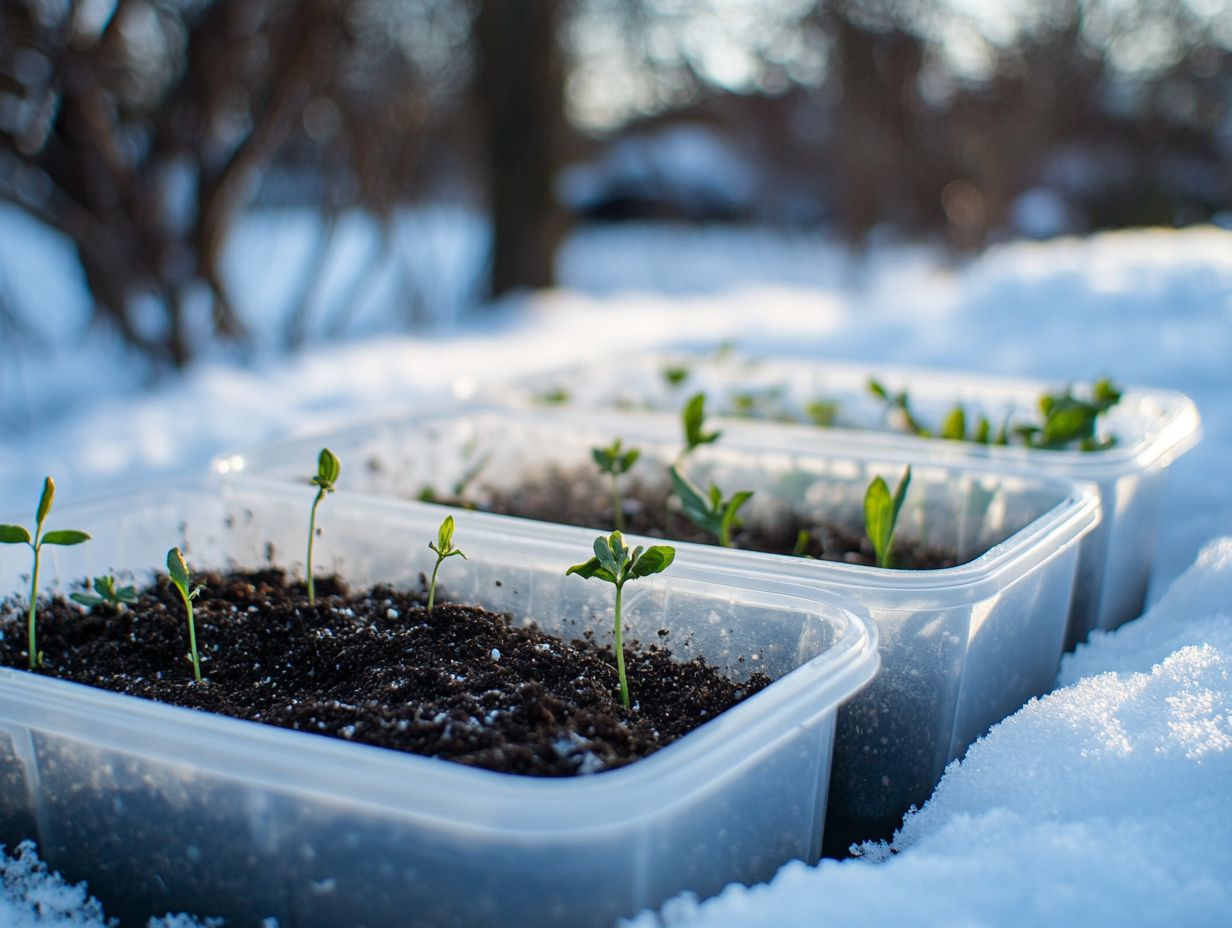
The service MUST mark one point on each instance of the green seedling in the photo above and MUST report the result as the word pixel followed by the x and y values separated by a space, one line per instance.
pixel 328 469
pixel 1069 420
pixel 443 546
pixel 954 426
pixel 693 418
pixel 881 514
pixel 554 396
pixel 803 539
pixel 709 511
pixel 675 375
pixel 19 535
pixel 614 563
pixel 900 404
pixel 181 579
pixel 106 591
pixel 615 461
pixel 822 413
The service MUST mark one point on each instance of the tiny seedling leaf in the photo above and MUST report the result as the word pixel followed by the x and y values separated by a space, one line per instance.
pixel 177 570
pixel 65 537
pixel 328 470
pixel 877 389
pixel 878 514
pixel 696 508
pixel 444 537
pixel 591 568
pixel 693 418
pixel 14 535
pixel 729 520
pixel 44 504
pixel 655 559
pixel 955 425
pixel 900 495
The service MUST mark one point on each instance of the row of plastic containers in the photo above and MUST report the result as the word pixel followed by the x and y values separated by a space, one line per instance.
pixel 162 808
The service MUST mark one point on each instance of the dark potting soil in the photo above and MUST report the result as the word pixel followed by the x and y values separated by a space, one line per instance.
pixel 376 667
pixel 584 497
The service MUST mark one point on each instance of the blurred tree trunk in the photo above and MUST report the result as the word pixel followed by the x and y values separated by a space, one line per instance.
pixel 520 94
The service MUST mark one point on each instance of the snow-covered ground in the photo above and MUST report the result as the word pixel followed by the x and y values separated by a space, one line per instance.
pixel 1107 802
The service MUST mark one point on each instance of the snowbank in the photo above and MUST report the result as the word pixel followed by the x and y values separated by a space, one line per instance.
pixel 1103 803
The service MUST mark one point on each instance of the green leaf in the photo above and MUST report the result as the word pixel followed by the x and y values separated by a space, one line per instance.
pixel 822 413
pixel 620 551
pixel 126 594
pixel 591 568
pixel 675 376
pixel 877 389
pixel 729 520
pixel 605 557
pixel 900 495
pixel 654 560
pixel 693 416
pixel 955 425
pixel 983 431
pixel 87 599
pixel 44 505
pixel 878 516
pixel 14 535
pixel 177 569
pixel 695 507
pixel 65 537
pixel 328 469
pixel 1106 394
pixel 444 536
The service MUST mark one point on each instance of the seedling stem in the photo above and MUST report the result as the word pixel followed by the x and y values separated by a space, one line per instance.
pixel 328 468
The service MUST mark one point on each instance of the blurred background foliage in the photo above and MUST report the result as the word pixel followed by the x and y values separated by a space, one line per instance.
pixel 144 129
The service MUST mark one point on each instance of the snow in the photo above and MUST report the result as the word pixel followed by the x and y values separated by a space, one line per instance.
pixel 1106 802
pixel 1103 803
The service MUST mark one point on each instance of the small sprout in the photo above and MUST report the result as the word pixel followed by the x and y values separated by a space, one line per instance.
pixel 822 413
pixel 675 375
pixel 328 469
pixel 105 591
pixel 443 546
pixel 614 563
pixel 803 539
pixel 615 461
pixel 181 579
pixel 710 511
pixel 954 426
pixel 983 431
pixel 900 405
pixel 693 418
pixel 744 404
pixel 1069 420
pixel 19 535
pixel 553 396
pixel 881 514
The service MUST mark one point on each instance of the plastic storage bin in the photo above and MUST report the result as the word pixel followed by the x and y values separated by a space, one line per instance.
pixel 1153 428
pixel 168 809
pixel 961 648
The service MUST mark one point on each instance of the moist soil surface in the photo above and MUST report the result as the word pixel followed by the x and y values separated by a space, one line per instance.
pixel 583 497
pixel 376 667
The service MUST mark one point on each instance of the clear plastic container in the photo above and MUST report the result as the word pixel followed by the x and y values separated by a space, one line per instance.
pixel 961 647
pixel 1152 427
pixel 168 809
